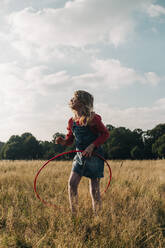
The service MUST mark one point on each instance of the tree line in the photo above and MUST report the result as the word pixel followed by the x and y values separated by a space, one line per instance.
pixel 122 144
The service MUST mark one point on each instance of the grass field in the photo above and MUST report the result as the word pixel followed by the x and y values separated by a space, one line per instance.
pixel 132 215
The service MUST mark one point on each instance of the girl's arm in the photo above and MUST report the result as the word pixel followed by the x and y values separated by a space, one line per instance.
pixel 97 126
pixel 69 137
pixel 88 151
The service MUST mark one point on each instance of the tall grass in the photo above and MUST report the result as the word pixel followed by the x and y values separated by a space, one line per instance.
pixel 132 215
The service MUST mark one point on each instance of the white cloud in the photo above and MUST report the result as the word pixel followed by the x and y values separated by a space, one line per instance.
pixel 31 100
pixel 160 103
pixel 155 10
pixel 51 34
pixel 77 24
pixel 112 74
pixel 120 33
pixel 17 80
pixel 35 99
pixel 133 117
pixel 21 85
pixel 152 78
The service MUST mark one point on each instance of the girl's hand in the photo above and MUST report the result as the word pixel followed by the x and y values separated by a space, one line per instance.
pixel 88 151
pixel 60 140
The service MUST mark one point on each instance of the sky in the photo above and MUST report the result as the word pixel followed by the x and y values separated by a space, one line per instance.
pixel 113 49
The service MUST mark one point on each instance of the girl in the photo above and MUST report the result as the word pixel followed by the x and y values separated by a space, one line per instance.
pixel 89 133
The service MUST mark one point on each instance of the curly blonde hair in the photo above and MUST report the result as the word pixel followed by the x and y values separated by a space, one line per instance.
pixel 82 102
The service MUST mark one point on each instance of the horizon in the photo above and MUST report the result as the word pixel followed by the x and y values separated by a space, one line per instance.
pixel 66 133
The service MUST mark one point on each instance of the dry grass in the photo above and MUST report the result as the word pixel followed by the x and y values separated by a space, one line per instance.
pixel 132 215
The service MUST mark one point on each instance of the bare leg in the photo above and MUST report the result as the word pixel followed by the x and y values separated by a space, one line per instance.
pixel 95 194
pixel 72 190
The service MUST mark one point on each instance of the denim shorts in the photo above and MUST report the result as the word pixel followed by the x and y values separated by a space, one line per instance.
pixel 92 167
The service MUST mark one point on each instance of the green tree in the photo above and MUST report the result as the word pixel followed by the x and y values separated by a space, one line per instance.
pixel 147 141
pixel 48 149
pixel 1 144
pixel 31 147
pixel 57 135
pixel 120 143
pixel 110 127
pixel 158 147
pixel 136 153
pixel 150 137
pixel 1 149
pixel 13 149
pixel 156 132
pixel 21 147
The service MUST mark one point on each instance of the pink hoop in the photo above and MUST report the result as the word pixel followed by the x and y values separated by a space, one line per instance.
pixel 59 155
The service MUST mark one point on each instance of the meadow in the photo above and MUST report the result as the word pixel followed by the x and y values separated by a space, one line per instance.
pixel 132 214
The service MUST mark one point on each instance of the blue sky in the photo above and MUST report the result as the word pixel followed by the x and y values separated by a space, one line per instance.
pixel 49 48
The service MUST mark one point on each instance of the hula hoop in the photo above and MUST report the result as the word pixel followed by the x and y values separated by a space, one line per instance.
pixel 59 155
